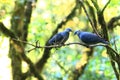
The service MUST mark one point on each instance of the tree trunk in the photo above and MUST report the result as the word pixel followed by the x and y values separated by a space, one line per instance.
pixel 17 26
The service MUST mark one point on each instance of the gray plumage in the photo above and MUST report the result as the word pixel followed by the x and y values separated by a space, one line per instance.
pixel 61 37
pixel 89 38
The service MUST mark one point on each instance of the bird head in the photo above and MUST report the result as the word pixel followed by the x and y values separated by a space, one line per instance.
pixel 68 30
pixel 76 32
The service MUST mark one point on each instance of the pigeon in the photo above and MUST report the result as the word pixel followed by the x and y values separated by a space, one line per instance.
pixel 61 37
pixel 89 38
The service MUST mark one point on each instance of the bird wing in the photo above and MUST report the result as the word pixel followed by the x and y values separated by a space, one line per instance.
pixel 56 38
pixel 90 38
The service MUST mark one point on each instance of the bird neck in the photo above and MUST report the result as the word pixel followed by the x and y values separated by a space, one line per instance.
pixel 66 31
pixel 79 33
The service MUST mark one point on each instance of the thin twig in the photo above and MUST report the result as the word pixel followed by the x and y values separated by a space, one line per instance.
pixel 62 67
pixel 94 2
pixel 24 42
pixel 67 44
pixel 31 49
pixel 105 6
pixel 37 45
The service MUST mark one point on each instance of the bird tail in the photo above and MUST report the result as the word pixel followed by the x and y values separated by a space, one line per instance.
pixel 105 42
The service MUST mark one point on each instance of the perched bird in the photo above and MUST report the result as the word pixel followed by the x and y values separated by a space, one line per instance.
pixel 61 37
pixel 89 38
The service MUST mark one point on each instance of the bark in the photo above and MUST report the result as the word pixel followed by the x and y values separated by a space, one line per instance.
pixel 14 52
pixel 19 26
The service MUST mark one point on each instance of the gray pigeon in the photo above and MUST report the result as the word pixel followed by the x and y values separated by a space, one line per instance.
pixel 89 38
pixel 61 37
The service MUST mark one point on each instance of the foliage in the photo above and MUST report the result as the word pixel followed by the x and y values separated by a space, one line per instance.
pixel 45 17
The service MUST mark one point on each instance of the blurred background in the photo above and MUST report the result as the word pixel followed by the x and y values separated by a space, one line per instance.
pixel 68 61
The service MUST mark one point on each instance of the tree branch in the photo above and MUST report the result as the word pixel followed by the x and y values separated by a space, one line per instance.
pixel 92 14
pixel 112 21
pixel 96 5
pixel 105 6
pixel 94 29
pixel 62 67
pixel 101 20
pixel 32 68
pixel 6 31
pixel 37 45
pixel 10 34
